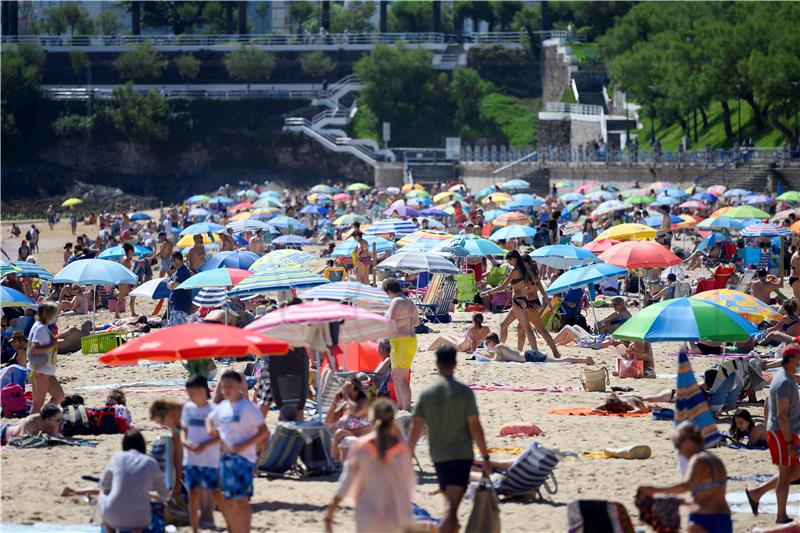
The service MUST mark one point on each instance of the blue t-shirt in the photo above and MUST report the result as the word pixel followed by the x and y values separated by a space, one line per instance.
pixel 181 299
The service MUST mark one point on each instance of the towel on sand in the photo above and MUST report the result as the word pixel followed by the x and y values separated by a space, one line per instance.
pixel 737 501
pixel 519 388
pixel 587 411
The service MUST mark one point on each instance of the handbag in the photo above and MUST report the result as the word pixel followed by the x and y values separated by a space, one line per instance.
pixel 485 515
pixel 630 368
pixel 176 512
pixel 595 379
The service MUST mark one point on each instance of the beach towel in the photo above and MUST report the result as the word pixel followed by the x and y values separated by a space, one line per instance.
pixel 758 478
pixel 43 440
pixel 520 429
pixel 690 403
pixel 587 411
pixel 792 527
pixel 738 503
pixel 519 388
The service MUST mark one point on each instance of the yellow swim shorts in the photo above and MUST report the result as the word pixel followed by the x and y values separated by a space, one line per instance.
pixel 403 351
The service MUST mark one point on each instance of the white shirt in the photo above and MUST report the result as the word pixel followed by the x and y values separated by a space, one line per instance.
pixel 40 334
pixel 193 418
pixel 168 228
pixel 237 423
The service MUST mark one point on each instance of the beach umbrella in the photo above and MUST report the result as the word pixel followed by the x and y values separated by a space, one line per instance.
pixel 598 246
pixel 410 202
pixel 341 197
pixel 583 275
pixel 510 219
pixel 202 227
pixel 513 232
pixel 522 203
pixel 471 246
pixel 444 196
pixel 346 247
pixel 790 196
pixel 295 240
pixel 242 206
pixel 188 240
pixel 285 222
pixel 736 193
pixel 95 272
pixel 624 232
pixel 758 199
pixel 401 211
pixel 323 189
pixel 780 216
pixel 154 289
pixel 216 277
pixel 424 246
pixel 720 223
pixel 673 192
pixel 199 212
pixel 434 212
pixel 424 235
pixel 433 224
pixel 25 269
pixel 7 268
pixel 659 185
pixel 198 199
pixel 270 194
pixel 745 305
pixel 277 279
pixel 391 226
pixel 717 190
pixel 564 183
pixel 355 356
pixel 187 342
pixel 457 187
pixel 350 219
pixel 640 200
pixel 693 204
pixel 711 240
pixel 691 404
pixel 393 190
pixel 249 193
pixel 71 202
pixel 639 254
pixel 566 211
pixel 515 185
pixel 656 220
pixel 356 187
pixel 747 211
pixel 665 201
pixel 320 198
pixel 687 221
pixel 610 206
pixel 350 292
pixel 279 258
pixel 497 198
pixel 418 262
pixel 721 211
pixel 704 197
pixel 408 187
pixel 115 252
pixel 140 216
pixel 686 319
pixel 220 200
pixel 314 210
pixel 13 298
pixel 268 203
pixel 571 197
pixel 491 214
pixel 251 225
pixel 601 196
pixel 765 230
pixel 586 187
pixel 562 256
pixel 211 297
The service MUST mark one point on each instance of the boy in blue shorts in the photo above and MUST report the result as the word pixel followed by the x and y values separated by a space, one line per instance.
pixel 240 426
pixel 201 460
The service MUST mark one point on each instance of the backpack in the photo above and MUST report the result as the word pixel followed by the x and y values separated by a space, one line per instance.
pixel 76 421
pixel 105 421
pixel 12 399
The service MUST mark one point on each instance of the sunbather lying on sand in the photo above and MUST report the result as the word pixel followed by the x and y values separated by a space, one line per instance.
pixel 48 420
pixel 628 404
pixel 501 352
pixel 473 336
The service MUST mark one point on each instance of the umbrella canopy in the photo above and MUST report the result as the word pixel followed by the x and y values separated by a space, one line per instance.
pixel 211 297
pixel 220 200
pixel 203 227
pixel 721 211
pixel 198 199
pixel 349 292
pixel 350 219
pixel 243 206
pixel 24 269
pixel 277 279
pixel 745 305
pixel 193 341
pixel 155 289
pixel 747 211
pixel 582 275
pixel 199 212
pixel 346 247
pixel 610 206
pixel 295 240
pixel 693 204
pixel 424 235
pixel 586 187
pixel 118 251
pixel 691 404
pixel 281 258
pixel 685 319
pixel 401 211
pixel 515 185
pixel 758 199
pixel 513 232
pixel 562 256
pixel 717 190
pixel 765 230
pixel 249 224
pixel 323 189
pixel 434 212
pixel 188 240
pixel 720 223
pixel 7 268
pixel 296 324
pixel 140 216
pixel 512 218
pixel 13 298
pixel 598 246
pixel 314 210
pixel 497 198
pixel 241 259
pixel 640 254
pixel 639 200
pixel 625 232
pixel 471 246
pixel 736 193
pixel 95 272
pixel 354 187
pixel 284 222
pixel 704 197
pixel 341 197
pixel 522 203
pixel 216 277
pixel 418 262
pixel 391 226
pixel 71 202
pixel 790 196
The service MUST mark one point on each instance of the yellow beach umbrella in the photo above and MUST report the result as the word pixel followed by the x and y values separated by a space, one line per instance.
pixel 748 307
pixel 412 186
pixel 442 196
pixel 188 240
pixel 497 198
pixel 71 202
pixel 244 215
pixel 721 211
pixel 628 232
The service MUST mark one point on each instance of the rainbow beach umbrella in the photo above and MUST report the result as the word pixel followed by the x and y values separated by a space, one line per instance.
pixel 748 307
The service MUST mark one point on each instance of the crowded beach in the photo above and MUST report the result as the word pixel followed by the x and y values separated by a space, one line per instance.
pixel 405 359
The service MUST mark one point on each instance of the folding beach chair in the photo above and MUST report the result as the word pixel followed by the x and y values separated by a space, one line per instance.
pixel 282 456
pixel 325 399
pixel 439 311
pixel 288 378
pixel 426 293
pixel 532 470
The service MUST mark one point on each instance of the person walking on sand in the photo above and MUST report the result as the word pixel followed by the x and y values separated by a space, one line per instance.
pixel 449 411
pixel 163 254
pixel 403 313
pixel 377 458
pixel 41 356
pixel 783 427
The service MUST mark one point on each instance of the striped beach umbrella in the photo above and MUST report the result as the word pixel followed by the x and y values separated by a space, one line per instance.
pixel 346 247
pixel 215 277
pixel 599 246
pixel 96 272
pixel 391 226
pixel 789 196
pixel 515 185
pixel 211 297
pixel 320 198
pixel 691 404
pixel 188 240
pixel 252 225
pixel 510 219
pixel 265 213
pixel 355 187
pixel 280 258
pixel 284 222
pixel 583 275
pixel 26 269
pixel 7 268
pixel 349 292
pixel 115 252
pixel 721 223
pixel 721 211
pixel 277 279
pixel 424 235
pixel 745 305
pixel 765 230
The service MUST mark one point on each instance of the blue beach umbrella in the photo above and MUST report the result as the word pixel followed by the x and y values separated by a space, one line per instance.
pixel 346 247
pixel 704 197
pixel 721 223
pixel 486 191
pixel 583 275
pixel 285 222
pixel 711 240
pixel 522 203
pixel 673 193
pixel 314 210
pixel 562 256
pixel 115 252
pixel 515 185
pixel 202 227
pixel 236 259
pixel 391 226
pixel 656 220
pixel 350 292
pixel 277 279
pixel 13 298
pixel 291 239
pixel 95 272
pixel 470 246
pixel 516 231
pixel 221 200
pixel 32 270
pixel 140 216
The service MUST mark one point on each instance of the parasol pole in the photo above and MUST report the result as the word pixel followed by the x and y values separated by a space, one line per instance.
pixel 781 262
pixel 374 263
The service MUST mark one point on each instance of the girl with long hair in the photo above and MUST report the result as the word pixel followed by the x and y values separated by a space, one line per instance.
pixel 537 301
pixel 518 279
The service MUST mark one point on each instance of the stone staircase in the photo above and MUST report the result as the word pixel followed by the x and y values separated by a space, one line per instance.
pixel 760 178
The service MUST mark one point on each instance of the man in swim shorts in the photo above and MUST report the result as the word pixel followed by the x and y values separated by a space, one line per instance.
pixel 403 313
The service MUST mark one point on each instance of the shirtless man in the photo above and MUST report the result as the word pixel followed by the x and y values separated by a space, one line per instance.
pixel 48 421
pixel 228 244
pixel 763 286
pixel 257 244
pixel 501 352
pixel 197 254
pixel 164 253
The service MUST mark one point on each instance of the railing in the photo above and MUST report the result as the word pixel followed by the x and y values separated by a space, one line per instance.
pixel 738 158
pixel 577 109
pixel 513 164
pixel 281 39
pixel 82 93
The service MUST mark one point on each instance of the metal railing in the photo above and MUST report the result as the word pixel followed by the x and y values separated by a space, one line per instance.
pixel 737 158
pixel 83 93
pixel 577 109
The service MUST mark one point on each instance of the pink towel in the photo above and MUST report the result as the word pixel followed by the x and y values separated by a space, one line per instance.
pixel 519 388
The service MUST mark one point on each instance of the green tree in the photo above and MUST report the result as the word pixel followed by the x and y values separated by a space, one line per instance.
pixel 140 118
pixel 411 16
pixel 68 16
pixel 353 16
pixel 79 61
pixel 108 23
pixel 316 64
pixel 21 77
pixel 140 63
pixel 467 90
pixel 249 65
pixel 188 66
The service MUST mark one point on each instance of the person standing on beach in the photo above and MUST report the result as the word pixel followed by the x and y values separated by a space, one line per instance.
pixel 180 300
pixel 403 313
pixel 449 411
pixel 41 356
pixel 783 429
pixel 197 254
pixel 164 253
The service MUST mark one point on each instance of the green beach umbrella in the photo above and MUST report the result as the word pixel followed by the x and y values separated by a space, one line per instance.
pixel 790 196
pixel 355 187
pixel 639 200
pixel 684 319
pixel 746 211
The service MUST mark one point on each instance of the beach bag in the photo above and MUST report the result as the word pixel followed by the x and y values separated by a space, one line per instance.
pixel 630 368
pixel 661 513
pixel 485 515
pixel 598 516
pixel 12 399
pixel 176 512
pixel 76 421
pixel 106 421
pixel 595 379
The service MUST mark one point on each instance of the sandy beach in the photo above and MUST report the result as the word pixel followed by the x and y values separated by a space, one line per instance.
pixel 32 480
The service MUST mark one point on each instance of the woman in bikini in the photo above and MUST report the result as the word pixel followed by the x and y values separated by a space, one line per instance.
pixel 363 258
pixel 787 328
pixel 518 279
pixel 620 315
pixel 705 477
pixel 537 301
pixel 746 431
pixel 473 336
pixel 348 417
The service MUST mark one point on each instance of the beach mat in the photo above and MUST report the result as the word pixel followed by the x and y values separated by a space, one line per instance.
pixel 587 411
pixel 41 527
pixel 519 388
pixel 134 384
pixel 737 501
